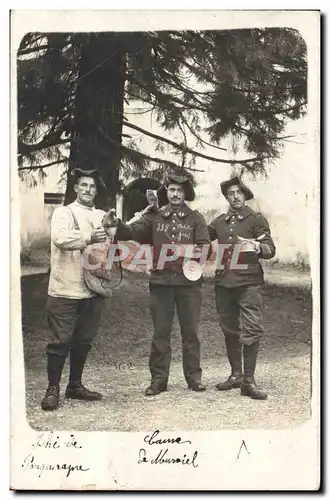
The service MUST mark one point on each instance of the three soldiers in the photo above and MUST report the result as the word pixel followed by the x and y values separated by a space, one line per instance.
pixel 74 311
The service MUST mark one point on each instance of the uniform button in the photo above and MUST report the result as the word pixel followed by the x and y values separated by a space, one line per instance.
pixel 173 220
pixel 230 237
pixel 231 229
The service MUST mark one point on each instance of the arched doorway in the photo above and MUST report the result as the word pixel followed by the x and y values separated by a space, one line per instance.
pixel 134 195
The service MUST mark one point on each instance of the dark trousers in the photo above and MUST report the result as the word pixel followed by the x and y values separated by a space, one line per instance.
pixel 240 312
pixel 72 322
pixel 188 301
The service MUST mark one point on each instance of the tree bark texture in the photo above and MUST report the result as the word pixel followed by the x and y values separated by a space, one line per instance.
pixel 99 102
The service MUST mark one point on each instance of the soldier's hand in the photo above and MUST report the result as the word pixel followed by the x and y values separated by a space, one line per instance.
pixel 98 235
pixel 148 209
pixel 152 197
pixel 251 244
pixel 110 219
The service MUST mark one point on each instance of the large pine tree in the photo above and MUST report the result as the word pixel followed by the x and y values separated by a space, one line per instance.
pixel 207 86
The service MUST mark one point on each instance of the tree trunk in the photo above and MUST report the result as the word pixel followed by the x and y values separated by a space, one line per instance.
pixel 99 103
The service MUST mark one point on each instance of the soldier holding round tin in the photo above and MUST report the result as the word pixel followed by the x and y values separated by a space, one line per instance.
pixel 173 226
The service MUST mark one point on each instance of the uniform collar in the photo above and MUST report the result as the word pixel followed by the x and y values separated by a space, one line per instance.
pixel 181 212
pixel 241 214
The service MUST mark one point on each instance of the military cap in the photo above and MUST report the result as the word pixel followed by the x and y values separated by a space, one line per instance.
pixel 76 173
pixel 176 179
pixel 236 181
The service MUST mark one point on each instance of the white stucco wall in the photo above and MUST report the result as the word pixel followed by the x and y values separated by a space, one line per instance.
pixel 285 197
pixel 34 215
pixel 31 211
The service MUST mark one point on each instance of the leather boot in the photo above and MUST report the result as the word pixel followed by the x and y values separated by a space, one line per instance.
pixel 156 388
pixel 55 365
pixel 249 387
pixel 78 391
pixel 51 399
pixel 75 388
pixel 234 353
pixel 197 386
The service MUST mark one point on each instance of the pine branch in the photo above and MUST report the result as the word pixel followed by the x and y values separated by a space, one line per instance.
pixel 28 44
pixel 52 128
pixel 285 139
pixel 180 86
pixel 284 110
pixel 35 167
pixel 189 150
pixel 80 77
pixel 143 155
pixel 184 135
pixel 24 52
pixel 161 95
pixel 184 89
pixel 26 149
pixel 194 133
pixel 207 77
pixel 140 98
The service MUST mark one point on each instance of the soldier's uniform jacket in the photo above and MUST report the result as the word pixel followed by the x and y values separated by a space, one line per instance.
pixel 181 226
pixel 248 224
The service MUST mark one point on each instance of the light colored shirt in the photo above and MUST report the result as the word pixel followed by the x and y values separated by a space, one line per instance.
pixel 66 275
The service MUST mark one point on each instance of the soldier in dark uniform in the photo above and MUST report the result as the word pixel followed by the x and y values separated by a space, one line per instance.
pixel 174 224
pixel 238 297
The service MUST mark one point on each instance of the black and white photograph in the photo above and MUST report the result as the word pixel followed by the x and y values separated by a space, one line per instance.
pixel 165 281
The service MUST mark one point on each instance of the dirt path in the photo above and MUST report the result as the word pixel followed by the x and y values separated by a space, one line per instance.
pixel 124 337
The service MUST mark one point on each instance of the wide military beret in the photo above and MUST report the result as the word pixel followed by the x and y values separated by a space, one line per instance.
pixel 236 181
pixel 76 173
pixel 176 179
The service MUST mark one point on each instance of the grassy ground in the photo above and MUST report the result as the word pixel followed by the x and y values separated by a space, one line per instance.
pixel 125 336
